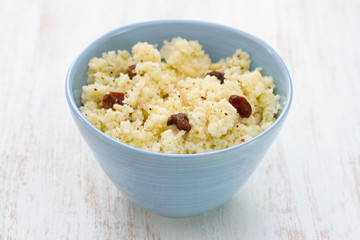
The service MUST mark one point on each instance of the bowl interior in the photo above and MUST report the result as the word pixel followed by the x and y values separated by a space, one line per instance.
pixel 218 41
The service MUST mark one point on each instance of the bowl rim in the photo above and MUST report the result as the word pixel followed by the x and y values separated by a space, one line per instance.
pixel 134 26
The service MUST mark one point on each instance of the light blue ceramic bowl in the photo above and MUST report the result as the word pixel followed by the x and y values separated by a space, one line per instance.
pixel 177 184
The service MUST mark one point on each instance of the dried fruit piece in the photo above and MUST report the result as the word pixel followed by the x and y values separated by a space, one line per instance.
pixel 131 71
pixel 113 98
pixel 242 106
pixel 218 75
pixel 181 120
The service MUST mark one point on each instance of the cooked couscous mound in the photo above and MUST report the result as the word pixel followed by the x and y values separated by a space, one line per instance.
pixel 166 101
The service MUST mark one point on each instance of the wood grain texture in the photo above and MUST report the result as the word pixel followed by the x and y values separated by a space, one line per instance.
pixel 307 186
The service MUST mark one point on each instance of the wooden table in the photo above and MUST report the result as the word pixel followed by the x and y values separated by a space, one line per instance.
pixel 307 186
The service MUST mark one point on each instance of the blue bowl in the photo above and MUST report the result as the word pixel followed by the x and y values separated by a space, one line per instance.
pixel 178 184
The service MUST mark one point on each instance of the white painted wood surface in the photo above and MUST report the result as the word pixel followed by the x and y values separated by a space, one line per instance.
pixel 307 186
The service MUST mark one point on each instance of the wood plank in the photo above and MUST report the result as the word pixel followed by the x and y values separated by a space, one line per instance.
pixel 307 187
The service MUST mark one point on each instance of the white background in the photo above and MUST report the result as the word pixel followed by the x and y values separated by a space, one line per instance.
pixel 307 186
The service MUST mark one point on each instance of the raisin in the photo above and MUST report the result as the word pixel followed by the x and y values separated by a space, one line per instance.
pixel 113 97
pixel 181 120
pixel 131 72
pixel 242 106
pixel 218 75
